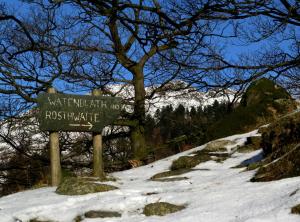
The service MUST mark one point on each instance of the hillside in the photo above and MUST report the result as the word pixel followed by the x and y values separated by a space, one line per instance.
pixel 174 93
pixel 24 148
pixel 215 190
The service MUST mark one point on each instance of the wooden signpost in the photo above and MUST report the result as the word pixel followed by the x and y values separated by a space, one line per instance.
pixel 76 113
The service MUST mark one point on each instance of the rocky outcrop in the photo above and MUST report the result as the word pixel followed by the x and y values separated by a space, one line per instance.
pixel 263 102
pixel 281 146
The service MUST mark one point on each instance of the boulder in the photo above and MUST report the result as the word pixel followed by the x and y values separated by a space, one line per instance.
pixel 101 214
pixel 80 186
pixel 263 102
pixel 265 91
pixel 188 162
pixel 218 145
pixel 295 209
pixel 161 209
pixel 170 173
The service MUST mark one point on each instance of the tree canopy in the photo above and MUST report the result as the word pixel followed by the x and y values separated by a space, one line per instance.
pixel 79 45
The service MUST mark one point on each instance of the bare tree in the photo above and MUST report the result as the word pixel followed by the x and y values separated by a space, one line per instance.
pixel 274 26
pixel 87 44
pixel 143 43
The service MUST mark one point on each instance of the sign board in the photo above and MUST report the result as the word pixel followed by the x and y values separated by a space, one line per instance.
pixel 77 113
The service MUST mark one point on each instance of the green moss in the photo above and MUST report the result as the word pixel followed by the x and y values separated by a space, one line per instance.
pixel 188 162
pixel 170 173
pixel 172 179
pixel 245 149
pixel 80 186
pixel 161 209
pixel 65 173
pixel 263 90
pixel 253 166
pixel 218 146
pixel 252 144
pixel 101 214
pixel 296 209
pixel 38 220
pixel 221 159
pixel 238 166
pixel 97 179
pixel 78 218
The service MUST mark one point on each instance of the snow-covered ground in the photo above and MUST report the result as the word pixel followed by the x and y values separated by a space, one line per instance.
pixel 214 192
pixel 188 97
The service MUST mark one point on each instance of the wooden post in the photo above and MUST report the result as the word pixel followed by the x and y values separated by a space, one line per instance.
pixel 54 154
pixel 98 169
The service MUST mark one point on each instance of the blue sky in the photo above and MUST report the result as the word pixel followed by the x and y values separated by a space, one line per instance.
pixel 234 47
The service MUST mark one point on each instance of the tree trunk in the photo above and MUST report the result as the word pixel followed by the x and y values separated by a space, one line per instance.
pixel 138 144
pixel 137 132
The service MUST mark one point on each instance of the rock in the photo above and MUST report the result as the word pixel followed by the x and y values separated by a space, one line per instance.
pixel 262 102
pixel 188 162
pixel 254 140
pixel 218 145
pixel 80 186
pixel 101 214
pixel 171 179
pixel 253 143
pixel 78 218
pixel 38 220
pixel 150 193
pixel 170 173
pixel 265 91
pixel 161 209
pixel 296 209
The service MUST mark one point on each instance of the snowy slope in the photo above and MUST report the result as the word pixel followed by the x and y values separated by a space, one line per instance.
pixel 213 193
pixel 187 97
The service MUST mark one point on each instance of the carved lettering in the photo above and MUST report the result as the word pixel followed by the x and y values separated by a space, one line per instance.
pixel 52 103
pixel 77 113
pixel 48 115
pixel 96 118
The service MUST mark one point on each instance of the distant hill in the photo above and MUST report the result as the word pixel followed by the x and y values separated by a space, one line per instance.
pixel 174 93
